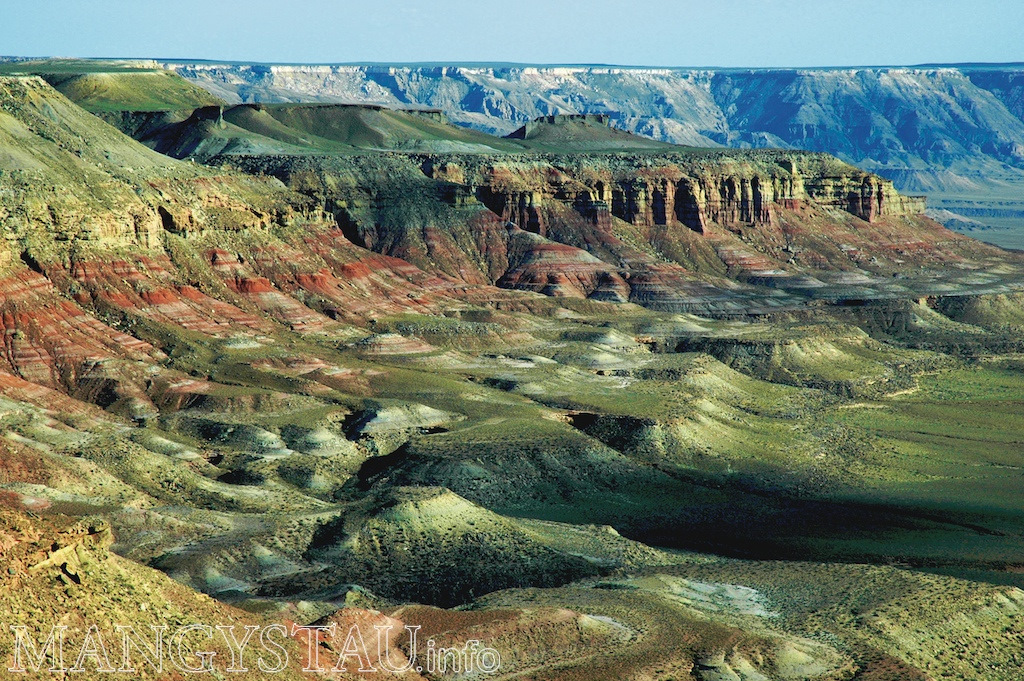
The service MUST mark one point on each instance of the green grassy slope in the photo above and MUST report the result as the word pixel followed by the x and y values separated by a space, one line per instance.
pixel 372 127
pixel 108 86
pixel 574 134
pixel 130 91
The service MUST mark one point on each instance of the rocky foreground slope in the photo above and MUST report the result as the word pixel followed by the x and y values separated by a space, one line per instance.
pixel 373 385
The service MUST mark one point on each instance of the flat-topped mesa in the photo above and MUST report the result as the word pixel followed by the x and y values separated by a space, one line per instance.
pixel 695 191
pixel 424 111
pixel 530 129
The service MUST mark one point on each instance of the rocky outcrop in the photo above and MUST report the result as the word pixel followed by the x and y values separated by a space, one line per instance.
pixel 667 229
pixel 674 188
pixel 70 179
pixel 866 196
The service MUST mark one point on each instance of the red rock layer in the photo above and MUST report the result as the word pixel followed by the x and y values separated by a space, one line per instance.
pixel 558 270
pixel 52 341
pixel 151 288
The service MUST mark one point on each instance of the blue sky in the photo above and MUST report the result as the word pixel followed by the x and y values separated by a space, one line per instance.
pixel 651 32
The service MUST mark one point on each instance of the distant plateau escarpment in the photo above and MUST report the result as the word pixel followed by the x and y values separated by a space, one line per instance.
pixel 935 129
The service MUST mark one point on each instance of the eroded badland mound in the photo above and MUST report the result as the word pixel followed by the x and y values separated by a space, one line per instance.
pixel 615 408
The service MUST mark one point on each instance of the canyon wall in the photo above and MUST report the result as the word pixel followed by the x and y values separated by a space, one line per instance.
pixel 695 190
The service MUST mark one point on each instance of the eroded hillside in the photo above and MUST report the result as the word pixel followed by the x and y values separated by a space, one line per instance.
pixel 472 391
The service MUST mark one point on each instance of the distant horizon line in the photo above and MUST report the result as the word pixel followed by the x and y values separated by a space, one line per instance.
pixel 507 64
